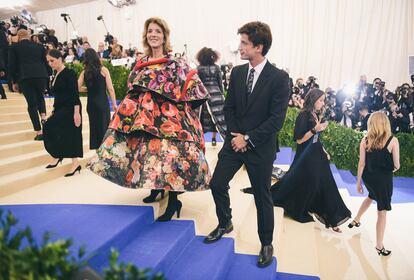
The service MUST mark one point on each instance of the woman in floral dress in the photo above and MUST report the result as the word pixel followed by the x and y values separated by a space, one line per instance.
pixel 155 139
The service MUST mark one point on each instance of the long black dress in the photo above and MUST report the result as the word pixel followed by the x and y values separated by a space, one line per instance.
pixel 211 112
pixel 98 110
pixel 309 187
pixel 62 139
pixel 377 176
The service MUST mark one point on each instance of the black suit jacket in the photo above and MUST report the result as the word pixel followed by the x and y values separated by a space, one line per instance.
pixel 261 114
pixel 27 60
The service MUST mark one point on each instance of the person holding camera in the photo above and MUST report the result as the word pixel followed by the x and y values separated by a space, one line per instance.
pixel 379 157
pixel 364 115
pixel 399 118
pixel 345 116
pixel 309 187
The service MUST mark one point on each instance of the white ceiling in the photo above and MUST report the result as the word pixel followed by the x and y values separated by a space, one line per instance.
pixel 9 8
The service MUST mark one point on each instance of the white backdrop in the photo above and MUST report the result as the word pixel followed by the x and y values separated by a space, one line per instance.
pixel 335 40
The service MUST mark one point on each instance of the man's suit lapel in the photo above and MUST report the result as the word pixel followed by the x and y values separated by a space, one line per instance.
pixel 261 82
pixel 243 87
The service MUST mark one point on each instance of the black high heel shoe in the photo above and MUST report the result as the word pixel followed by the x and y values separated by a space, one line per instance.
pixel 54 165
pixel 153 196
pixel 383 252
pixel 74 171
pixel 354 224
pixel 213 141
pixel 169 213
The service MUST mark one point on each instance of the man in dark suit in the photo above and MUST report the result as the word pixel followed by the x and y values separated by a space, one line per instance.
pixel 255 109
pixel 28 70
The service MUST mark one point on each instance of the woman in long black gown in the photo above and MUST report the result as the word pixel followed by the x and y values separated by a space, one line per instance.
pixel 98 82
pixel 62 131
pixel 211 112
pixel 309 187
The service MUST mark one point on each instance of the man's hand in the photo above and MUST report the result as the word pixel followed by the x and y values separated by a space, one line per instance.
pixel 15 87
pixel 238 143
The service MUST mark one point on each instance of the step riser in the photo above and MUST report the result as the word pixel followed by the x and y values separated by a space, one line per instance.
pixel 17 166
pixel 28 135
pixel 11 127
pixel 24 183
pixel 22 149
pixel 14 117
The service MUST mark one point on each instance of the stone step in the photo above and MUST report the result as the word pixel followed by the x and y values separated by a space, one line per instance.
pixel 28 178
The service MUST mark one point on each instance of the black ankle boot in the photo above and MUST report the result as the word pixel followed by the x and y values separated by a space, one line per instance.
pixel 153 196
pixel 174 205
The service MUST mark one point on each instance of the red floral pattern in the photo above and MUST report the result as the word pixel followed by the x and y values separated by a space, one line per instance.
pixel 155 139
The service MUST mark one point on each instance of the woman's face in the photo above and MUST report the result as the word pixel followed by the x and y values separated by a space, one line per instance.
pixel 71 52
pixel 54 63
pixel 319 103
pixel 155 36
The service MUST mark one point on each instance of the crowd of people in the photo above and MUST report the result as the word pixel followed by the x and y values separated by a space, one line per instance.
pixel 155 139
pixel 352 105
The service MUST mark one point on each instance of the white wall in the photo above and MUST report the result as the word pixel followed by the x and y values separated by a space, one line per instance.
pixel 335 40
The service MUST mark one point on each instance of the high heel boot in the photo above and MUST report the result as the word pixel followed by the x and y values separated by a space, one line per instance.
pixel 153 196
pixel 174 205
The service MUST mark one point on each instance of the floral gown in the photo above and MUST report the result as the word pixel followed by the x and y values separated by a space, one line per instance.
pixel 155 139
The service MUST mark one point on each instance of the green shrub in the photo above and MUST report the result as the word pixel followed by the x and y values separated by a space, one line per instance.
pixel 119 76
pixel 343 145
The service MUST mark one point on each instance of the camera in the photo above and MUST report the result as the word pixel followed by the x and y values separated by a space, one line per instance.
pixel 109 39
pixel 348 105
pixel 382 84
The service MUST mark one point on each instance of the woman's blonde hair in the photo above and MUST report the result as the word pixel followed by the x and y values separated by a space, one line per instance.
pixel 379 130
pixel 166 47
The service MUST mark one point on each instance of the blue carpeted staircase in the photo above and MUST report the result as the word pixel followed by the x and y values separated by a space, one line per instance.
pixel 171 248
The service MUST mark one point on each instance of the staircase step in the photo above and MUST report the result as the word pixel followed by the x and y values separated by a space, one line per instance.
pixel 349 182
pixel 105 223
pixel 27 178
pixel 15 126
pixel 203 261
pixel 243 267
pixel 157 247
pixel 10 117
pixel 284 156
pixel 28 160
pixel 26 135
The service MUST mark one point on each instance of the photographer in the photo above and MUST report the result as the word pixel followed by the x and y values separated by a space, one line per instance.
pixel 345 116
pixel 399 119
pixel 51 38
pixel 311 84
pixel 330 105
pixel 364 115
pixel 405 97
pixel 379 101
pixel 296 99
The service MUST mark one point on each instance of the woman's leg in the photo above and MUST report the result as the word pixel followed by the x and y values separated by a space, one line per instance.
pixel 362 209
pixel 381 221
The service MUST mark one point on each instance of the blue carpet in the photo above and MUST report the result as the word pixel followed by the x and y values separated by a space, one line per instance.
pixel 209 135
pixel 284 156
pixel 288 276
pixel 171 248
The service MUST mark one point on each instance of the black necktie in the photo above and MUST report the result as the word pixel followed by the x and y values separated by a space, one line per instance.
pixel 250 82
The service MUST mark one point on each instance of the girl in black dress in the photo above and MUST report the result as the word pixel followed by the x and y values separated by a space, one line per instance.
pixel 379 157
pixel 309 187
pixel 98 82
pixel 62 131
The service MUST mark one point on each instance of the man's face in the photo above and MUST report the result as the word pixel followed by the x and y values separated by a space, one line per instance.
pixel 246 48
pixel 101 47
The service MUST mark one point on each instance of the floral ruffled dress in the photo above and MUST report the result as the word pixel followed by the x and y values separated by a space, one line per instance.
pixel 155 139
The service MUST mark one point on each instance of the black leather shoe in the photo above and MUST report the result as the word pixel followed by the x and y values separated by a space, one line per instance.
pixel 39 137
pixel 218 232
pixel 265 256
pixel 247 190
